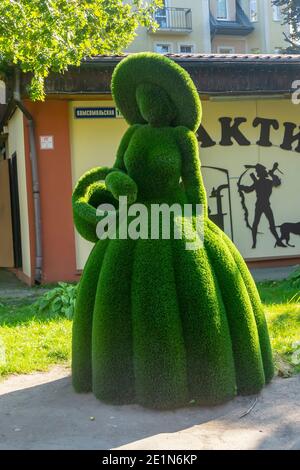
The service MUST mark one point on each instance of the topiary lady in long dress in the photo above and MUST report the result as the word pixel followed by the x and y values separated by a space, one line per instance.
pixel 155 323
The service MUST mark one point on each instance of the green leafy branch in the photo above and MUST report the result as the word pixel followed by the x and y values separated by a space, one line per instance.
pixel 59 301
pixel 40 36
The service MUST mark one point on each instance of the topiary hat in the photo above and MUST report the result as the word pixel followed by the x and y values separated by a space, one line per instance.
pixel 147 67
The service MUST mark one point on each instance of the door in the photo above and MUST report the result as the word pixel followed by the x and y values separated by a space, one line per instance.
pixel 15 211
pixel 6 231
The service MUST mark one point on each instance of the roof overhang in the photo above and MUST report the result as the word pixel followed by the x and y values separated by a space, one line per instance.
pixel 214 75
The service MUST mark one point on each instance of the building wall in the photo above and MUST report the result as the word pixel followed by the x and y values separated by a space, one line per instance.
pixel 255 42
pixel 276 29
pixel 81 144
pixel 239 44
pixel 16 143
pixel 54 166
pixel 284 199
pixel 199 37
pixel 94 142
pixel 267 36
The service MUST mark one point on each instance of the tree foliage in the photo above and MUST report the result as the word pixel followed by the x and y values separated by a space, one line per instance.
pixel 291 15
pixel 40 36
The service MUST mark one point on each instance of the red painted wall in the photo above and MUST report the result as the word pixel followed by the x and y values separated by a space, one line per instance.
pixel 59 259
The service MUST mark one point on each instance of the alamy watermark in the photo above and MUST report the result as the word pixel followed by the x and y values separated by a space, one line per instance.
pixel 154 221
pixel 296 93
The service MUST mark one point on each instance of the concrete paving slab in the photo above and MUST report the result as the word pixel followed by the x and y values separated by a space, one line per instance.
pixel 41 411
pixel 272 274
pixel 13 290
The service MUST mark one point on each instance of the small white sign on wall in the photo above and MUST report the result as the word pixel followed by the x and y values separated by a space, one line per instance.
pixel 46 142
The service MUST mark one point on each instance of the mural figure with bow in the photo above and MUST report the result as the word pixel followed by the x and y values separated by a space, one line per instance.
pixel 263 183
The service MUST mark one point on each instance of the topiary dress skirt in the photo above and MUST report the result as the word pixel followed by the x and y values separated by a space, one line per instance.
pixel 163 326
pixel 155 323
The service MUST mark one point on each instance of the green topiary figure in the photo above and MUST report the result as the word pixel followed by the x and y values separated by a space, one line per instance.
pixel 155 323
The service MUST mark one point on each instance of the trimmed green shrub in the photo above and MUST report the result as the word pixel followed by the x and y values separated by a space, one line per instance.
pixel 155 323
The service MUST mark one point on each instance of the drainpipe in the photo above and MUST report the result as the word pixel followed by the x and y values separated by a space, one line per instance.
pixel 35 179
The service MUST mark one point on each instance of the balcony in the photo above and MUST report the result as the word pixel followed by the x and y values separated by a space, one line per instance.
pixel 242 26
pixel 173 20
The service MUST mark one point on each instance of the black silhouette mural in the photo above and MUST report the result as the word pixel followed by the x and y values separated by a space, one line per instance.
pixel 217 194
pixel 263 183
pixel 287 229
pixel 265 192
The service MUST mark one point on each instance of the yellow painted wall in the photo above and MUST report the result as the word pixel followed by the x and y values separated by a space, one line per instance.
pixel 16 144
pixel 238 43
pixel 276 38
pixel 266 37
pixel 95 141
pixel 199 37
pixel 284 200
pixel 268 34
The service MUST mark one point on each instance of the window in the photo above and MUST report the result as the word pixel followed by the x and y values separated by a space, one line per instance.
pixel 253 11
pixel 276 13
pixel 226 50
pixel 161 16
pixel 222 10
pixel 163 48
pixel 186 48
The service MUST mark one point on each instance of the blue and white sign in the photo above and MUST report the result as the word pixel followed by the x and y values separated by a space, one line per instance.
pixel 103 112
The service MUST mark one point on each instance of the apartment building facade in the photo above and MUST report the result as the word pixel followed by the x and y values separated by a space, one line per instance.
pixel 214 26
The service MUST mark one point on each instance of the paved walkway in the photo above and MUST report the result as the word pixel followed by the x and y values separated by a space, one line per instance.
pixel 272 274
pixel 12 289
pixel 41 411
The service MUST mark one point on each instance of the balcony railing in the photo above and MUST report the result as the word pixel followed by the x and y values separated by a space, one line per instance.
pixel 174 19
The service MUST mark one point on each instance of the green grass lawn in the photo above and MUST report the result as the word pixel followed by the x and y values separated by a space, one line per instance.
pixel 32 341
pixel 281 302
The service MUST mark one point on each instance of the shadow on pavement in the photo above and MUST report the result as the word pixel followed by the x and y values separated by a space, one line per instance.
pixel 51 416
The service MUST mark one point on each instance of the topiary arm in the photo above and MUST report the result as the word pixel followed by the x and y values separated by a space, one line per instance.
pixel 191 167
pixel 88 194
pixel 121 184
